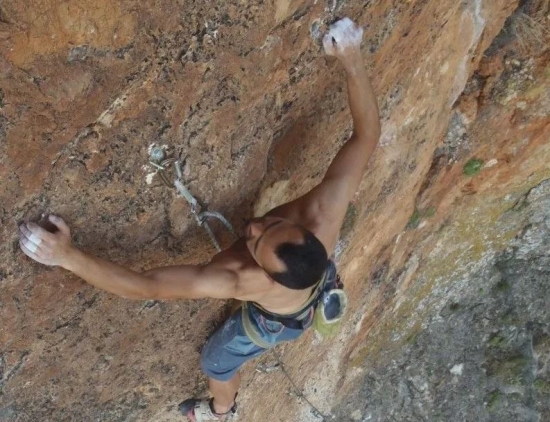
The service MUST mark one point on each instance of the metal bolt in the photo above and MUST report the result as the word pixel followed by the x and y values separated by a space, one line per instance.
pixel 157 154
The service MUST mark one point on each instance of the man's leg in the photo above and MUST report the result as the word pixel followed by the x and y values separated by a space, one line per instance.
pixel 224 392
pixel 222 356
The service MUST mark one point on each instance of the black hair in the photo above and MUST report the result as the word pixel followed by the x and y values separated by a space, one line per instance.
pixel 305 262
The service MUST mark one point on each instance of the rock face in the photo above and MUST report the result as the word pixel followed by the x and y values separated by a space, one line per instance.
pixel 483 352
pixel 444 253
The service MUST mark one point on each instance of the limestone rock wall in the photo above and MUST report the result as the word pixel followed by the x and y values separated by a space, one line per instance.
pixel 456 323
pixel 242 91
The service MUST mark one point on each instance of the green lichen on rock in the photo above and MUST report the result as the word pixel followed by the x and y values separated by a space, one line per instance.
pixel 349 221
pixel 414 220
pixel 493 400
pixel 430 212
pixel 419 215
pixel 502 286
pixel 511 319
pixel 498 341
pixel 472 167
pixel 509 370
pixel 415 331
pixel 542 386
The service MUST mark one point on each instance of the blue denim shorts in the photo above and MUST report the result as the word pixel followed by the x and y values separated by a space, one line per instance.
pixel 230 347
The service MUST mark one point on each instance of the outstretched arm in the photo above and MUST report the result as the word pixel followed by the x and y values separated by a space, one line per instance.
pixel 176 282
pixel 323 209
pixel 348 166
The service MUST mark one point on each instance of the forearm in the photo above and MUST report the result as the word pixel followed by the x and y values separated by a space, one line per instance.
pixel 362 100
pixel 109 276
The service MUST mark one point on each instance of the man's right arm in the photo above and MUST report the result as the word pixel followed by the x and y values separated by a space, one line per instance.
pixel 163 283
pixel 175 282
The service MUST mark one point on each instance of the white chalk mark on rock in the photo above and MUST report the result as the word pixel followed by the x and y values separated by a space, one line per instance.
pixel 491 163
pixel 108 115
pixel 388 135
pixel 149 177
pixel 457 369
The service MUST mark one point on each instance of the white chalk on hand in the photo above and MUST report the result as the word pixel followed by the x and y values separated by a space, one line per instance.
pixel 31 246
pixel 344 33
pixel 35 240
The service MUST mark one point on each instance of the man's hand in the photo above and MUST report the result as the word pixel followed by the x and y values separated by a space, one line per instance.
pixel 43 246
pixel 343 41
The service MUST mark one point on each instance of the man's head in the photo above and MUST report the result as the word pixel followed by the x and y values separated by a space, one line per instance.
pixel 290 254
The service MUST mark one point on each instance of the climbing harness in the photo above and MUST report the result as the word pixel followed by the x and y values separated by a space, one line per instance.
pixel 295 320
pixel 161 164
pixel 327 304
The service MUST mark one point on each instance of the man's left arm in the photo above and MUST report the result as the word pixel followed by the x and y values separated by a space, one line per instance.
pixel 323 209
pixel 174 282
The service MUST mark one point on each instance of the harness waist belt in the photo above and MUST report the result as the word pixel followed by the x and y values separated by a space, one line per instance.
pixel 289 322
pixel 294 320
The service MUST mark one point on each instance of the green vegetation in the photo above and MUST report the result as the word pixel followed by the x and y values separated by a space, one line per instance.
pixel 503 286
pixel 349 221
pixel 418 215
pixel 472 167
pixel 542 386
pixel 498 341
pixel 510 371
pixel 464 243
pixel 430 212
pixel 493 400
pixel 414 221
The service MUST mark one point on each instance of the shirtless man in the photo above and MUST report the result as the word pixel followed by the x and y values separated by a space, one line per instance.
pixel 277 269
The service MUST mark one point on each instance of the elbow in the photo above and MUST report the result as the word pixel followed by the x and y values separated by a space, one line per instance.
pixel 149 290
pixel 370 135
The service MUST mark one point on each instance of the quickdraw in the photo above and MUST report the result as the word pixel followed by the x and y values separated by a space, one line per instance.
pixel 198 210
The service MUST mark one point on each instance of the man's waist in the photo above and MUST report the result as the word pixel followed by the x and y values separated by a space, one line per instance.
pixel 279 316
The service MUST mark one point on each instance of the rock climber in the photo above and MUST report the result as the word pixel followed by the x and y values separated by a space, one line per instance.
pixel 279 267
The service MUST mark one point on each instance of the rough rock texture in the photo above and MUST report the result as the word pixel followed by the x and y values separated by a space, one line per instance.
pixel 483 353
pixel 242 90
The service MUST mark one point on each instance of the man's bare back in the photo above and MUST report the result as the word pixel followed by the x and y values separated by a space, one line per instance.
pixel 255 285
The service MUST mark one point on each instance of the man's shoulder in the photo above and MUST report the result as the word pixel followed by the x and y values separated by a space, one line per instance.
pixel 234 259
pixel 252 283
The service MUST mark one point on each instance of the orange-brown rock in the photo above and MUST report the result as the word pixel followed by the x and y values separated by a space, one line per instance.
pixel 244 93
